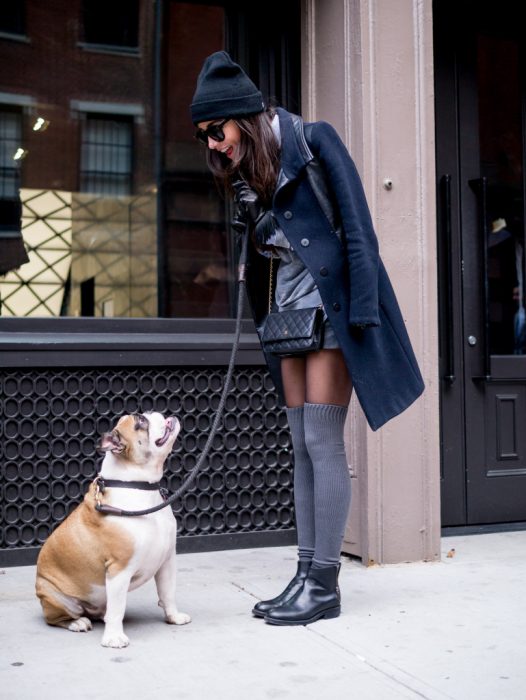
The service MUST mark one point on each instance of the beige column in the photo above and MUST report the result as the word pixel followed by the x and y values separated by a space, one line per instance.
pixel 367 69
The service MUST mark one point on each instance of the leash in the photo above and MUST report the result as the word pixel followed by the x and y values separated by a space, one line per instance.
pixel 241 278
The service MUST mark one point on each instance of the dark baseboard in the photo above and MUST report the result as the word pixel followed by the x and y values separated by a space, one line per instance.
pixel 459 530
pixel 27 556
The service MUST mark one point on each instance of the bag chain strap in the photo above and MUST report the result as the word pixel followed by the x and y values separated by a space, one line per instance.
pixel 270 285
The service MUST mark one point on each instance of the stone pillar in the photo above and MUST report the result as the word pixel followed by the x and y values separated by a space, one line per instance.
pixel 368 70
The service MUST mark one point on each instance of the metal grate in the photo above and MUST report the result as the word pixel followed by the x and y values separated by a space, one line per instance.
pixel 50 421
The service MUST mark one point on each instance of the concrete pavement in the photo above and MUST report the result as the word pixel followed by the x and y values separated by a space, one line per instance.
pixel 454 629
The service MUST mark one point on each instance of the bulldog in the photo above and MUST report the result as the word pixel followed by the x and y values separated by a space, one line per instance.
pixel 90 562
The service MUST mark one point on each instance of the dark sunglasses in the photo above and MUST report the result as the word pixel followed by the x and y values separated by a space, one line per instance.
pixel 213 131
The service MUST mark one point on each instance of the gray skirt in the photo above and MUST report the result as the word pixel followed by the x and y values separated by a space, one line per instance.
pixel 329 341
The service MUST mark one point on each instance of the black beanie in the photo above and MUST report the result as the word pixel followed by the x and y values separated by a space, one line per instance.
pixel 224 90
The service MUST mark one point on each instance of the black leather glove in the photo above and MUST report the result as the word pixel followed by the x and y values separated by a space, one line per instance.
pixel 249 208
pixel 247 201
pixel 265 229
pixel 239 222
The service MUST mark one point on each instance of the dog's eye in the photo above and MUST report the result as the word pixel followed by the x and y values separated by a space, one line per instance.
pixel 141 422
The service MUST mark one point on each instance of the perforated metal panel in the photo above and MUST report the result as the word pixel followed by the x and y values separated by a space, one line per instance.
pixel 51 421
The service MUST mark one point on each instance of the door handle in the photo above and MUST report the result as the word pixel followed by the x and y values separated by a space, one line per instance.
pixel 445 185
pixel 480 188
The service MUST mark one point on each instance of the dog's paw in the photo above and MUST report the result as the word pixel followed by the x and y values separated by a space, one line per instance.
pixel 82 624
pixel 178 618
pixel 116 641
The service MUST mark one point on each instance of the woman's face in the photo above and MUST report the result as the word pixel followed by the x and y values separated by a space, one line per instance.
pixel 230 145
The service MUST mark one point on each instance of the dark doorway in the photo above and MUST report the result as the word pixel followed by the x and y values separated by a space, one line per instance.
pixel 87 297
pixel 480 128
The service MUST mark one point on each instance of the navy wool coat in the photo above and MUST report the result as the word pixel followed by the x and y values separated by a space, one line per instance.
pixel 330 228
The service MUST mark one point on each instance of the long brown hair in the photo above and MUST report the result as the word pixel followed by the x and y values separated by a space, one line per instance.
pixel 259 157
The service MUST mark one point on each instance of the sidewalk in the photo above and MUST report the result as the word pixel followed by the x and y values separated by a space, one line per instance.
pixel 454 629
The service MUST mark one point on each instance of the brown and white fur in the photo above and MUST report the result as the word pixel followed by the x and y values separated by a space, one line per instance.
pixel 90 562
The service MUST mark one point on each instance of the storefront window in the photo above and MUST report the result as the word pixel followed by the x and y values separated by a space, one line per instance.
pixel 107 207
pixel 77 148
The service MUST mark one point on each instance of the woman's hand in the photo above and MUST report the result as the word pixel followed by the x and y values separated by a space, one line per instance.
pixel 248 204
pixel 249 209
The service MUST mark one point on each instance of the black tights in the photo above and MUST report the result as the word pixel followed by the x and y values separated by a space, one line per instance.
pixel 318 377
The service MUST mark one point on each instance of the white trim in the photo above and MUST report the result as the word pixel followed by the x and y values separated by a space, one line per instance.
pixel 14 98
pixel 14 36
pixel 111 49
pixel 127 109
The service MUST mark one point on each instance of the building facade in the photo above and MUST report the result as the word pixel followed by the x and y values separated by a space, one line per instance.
pixel 117 258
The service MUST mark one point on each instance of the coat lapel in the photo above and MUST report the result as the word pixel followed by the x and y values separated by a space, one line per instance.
pixel 295 153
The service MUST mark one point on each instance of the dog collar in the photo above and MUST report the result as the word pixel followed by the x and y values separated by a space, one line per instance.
pixel 115 483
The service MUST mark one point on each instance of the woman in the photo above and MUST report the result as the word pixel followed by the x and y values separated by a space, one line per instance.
pixel 299 189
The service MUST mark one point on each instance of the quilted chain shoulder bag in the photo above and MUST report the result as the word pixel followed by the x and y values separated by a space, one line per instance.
pixel 294 332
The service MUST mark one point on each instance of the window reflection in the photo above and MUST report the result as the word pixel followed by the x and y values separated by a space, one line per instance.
pixel 106 155
pixel 10 140
pixel 199 247
pixel 121 216
pixel 501 138
pixel 12 249
pixel 82 153
pixel 12 19
pixel 112 24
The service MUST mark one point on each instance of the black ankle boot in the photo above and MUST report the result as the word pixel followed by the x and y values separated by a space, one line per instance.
pixel 318 598
pixel 264 606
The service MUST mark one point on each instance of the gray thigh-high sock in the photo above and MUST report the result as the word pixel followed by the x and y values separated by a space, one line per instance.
pixel 332 483
pixel 303 485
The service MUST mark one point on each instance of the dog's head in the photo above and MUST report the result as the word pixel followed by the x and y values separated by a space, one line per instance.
pixel 141 440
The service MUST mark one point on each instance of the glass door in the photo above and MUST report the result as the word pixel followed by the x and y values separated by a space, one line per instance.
pixel 480 169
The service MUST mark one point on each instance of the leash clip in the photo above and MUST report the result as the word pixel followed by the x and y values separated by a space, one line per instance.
pixel 99 490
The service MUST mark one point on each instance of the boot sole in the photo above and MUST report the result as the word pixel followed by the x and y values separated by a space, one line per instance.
pixel 325 614
pixel 257 613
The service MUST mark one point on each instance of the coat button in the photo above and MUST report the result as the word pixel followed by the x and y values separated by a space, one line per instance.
pixel 336 306
pixel 324 272
pixel 305 242
pixel 288 214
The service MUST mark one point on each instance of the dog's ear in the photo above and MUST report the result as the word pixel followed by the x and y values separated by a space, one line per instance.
pixel 111 442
